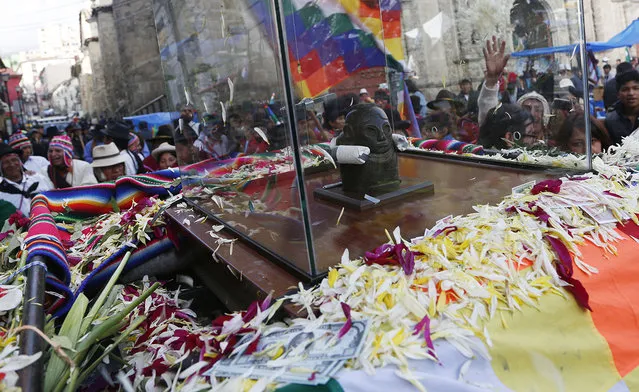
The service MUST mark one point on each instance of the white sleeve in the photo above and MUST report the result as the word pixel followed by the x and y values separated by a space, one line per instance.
pixel 43 183
pixel 86 174
pixel 488 99
pixel 129 166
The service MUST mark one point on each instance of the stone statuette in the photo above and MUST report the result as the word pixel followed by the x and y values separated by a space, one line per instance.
pixel 367 125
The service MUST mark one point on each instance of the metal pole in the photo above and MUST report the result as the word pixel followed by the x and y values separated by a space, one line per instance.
pixel 32 377
pixel 584 81
pixel 278 12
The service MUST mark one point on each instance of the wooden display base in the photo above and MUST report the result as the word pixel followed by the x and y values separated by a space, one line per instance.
pixel 408 187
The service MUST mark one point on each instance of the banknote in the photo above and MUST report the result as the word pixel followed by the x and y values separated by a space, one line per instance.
pixel 298 344
pixel 296 355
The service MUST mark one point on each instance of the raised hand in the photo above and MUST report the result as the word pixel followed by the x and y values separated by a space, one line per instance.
pixel 496 60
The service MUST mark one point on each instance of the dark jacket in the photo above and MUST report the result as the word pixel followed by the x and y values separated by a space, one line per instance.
pixel 618 125
pixel 610 93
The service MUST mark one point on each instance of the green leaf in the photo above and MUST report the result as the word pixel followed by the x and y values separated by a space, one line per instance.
pixel 93 313
pixel 71 330
pixel 63 341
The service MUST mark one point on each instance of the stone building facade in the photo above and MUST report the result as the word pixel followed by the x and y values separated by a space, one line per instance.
pixel 122 46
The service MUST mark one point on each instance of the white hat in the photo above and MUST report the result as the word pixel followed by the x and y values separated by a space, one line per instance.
pixel 536 96
pixel 383 86
pixel 162 148
pixel 106 155
pixel 566 83
pixel 605 59
pixel 363 91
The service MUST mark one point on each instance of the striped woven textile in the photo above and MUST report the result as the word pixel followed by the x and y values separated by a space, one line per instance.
pixel 447 146
pixel 47 239
pixel 43 240
pixel 100 199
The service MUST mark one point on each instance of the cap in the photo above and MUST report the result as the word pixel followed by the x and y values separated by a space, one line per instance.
pixel 363 91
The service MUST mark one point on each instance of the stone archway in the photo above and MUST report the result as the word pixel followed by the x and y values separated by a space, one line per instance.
pixel 531 21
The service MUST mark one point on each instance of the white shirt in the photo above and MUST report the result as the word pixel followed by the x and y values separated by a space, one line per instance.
pixel 130 164
pixel 20 201
pixel 82 174
pixel 35 163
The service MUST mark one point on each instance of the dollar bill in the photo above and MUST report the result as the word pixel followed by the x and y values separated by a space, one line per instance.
pixel 296 355
pixel 297 344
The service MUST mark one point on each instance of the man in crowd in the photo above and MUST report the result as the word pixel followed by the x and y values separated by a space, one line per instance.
pixel 607 75
pixel 63 171
pixel 624 118
pixel 40 145
pixel 610 88
pixel 467 96
pixel 19 141
pixel 18 187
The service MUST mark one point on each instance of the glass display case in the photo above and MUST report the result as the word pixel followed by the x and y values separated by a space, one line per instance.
pixel 478 92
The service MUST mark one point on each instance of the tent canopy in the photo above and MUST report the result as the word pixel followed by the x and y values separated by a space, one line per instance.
pixel 628 37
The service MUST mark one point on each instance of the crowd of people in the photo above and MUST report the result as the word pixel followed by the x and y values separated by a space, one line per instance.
pixel 506 111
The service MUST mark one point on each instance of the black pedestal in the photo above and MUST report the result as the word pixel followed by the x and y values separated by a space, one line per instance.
pixel 408 187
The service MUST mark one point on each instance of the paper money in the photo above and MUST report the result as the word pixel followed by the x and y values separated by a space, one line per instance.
pixel 297 344
pixel 296 355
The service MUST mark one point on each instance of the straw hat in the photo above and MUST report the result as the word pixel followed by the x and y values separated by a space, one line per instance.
pixel 162 148
pixel 106 155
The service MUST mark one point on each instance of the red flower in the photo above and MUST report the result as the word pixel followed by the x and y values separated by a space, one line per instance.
pixel 19 219
pixel 565 270
pixel 552 186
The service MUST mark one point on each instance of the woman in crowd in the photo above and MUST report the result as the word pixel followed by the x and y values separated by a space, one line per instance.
pixel 165 156
pixel 108 164
pixel 572 135
pixel 163 134
pixel 507 125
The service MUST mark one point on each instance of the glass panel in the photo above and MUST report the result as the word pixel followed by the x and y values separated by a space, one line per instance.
pixel 511 93
pixel 222 66
pixel 611 32
pixel 428 65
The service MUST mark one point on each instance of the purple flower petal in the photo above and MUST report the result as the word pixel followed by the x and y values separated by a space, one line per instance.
pixel 405 257
pixel 349 323
pixel 424 325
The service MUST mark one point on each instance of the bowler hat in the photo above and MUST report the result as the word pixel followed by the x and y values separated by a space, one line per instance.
pixel 445 96
pixel 116 130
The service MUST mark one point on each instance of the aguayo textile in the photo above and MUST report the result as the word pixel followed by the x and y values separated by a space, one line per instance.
pixel 446 146
pixel 102 198
pixel 81 231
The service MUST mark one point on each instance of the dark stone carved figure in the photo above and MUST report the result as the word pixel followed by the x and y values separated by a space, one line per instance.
pixel 367 125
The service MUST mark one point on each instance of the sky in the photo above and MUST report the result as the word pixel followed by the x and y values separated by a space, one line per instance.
pixel 20 20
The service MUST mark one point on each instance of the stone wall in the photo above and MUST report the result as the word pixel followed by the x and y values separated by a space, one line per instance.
pixel 140 66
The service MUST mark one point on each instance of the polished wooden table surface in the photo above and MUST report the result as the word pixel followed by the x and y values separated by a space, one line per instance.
pixel 458 187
